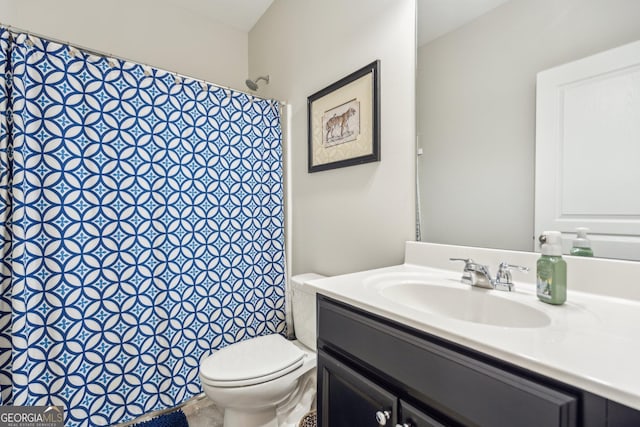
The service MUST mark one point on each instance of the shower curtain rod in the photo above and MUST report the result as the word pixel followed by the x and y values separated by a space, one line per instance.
pixel 15 30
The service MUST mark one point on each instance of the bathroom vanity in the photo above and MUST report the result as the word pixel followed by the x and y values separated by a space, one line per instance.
pixel 370 368
pixel 393 360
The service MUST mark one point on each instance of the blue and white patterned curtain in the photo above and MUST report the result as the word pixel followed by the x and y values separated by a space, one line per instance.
pixel 141 225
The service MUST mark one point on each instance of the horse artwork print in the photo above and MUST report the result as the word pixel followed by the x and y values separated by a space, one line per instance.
pixel 341 124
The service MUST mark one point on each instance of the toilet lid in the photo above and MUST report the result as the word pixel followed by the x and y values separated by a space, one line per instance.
pixel 252 361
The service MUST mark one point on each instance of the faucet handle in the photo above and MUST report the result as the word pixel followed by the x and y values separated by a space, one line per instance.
pixel 508 267
pixel 467 275
pixel 467 261
pixel 503 278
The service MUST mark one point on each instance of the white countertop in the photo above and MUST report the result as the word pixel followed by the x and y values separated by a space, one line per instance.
pixel 592 341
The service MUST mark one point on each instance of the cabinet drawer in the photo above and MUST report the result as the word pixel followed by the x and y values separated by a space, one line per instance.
pixel 466 390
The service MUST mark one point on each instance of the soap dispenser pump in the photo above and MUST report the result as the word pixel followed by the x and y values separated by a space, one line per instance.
pixel 551 271
pixel 581 244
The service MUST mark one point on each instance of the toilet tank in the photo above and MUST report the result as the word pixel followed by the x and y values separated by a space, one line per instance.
pixel 303 301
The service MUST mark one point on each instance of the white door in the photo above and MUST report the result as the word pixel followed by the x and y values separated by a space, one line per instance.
pixel 588 151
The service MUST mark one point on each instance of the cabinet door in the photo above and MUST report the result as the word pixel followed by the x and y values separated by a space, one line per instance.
pixel 413 417
pixel 347 399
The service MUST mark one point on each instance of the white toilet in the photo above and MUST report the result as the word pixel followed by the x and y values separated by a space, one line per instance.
pixel 249 379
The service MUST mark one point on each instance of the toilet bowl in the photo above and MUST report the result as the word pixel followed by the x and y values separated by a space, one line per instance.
pixel 249 379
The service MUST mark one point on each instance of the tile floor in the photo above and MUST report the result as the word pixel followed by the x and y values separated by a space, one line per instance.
pixel 201 412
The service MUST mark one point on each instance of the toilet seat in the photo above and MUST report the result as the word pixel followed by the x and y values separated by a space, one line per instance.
pixel 250 362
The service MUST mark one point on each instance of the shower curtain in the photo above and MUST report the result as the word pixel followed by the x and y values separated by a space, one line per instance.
pixel 141 218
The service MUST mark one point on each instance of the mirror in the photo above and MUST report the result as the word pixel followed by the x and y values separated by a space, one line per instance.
pixel 476 110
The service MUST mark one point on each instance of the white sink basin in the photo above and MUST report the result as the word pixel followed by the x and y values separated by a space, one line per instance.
pixel 467 304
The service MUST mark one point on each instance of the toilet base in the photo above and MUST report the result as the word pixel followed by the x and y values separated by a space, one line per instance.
pixel 263 418
pixel 258 405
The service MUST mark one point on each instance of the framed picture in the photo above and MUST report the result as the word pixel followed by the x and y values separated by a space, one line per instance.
pixel 344 121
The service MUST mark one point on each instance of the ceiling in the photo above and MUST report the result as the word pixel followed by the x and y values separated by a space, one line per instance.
pixel 239 14
pixel 438 17
pixel 435 17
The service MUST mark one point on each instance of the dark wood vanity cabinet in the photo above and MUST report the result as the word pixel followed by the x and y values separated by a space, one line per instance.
pixel 372 372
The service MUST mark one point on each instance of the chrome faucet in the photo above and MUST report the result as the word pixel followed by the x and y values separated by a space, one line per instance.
pixel 475 274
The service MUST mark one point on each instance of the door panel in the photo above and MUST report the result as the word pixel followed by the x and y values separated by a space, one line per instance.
pixel 348 399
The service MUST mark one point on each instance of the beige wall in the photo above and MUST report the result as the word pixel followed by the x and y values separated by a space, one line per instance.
pixel 343 220
pixel 156 32
pixel 358 217
pixel 476 112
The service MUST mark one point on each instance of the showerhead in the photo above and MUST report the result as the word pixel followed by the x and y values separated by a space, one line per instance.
pixel 253 84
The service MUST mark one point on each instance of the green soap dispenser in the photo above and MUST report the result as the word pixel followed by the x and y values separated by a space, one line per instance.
pixel 581 245
pixel 551 271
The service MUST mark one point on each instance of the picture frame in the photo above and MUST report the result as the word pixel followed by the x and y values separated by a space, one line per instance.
pixel 343 121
